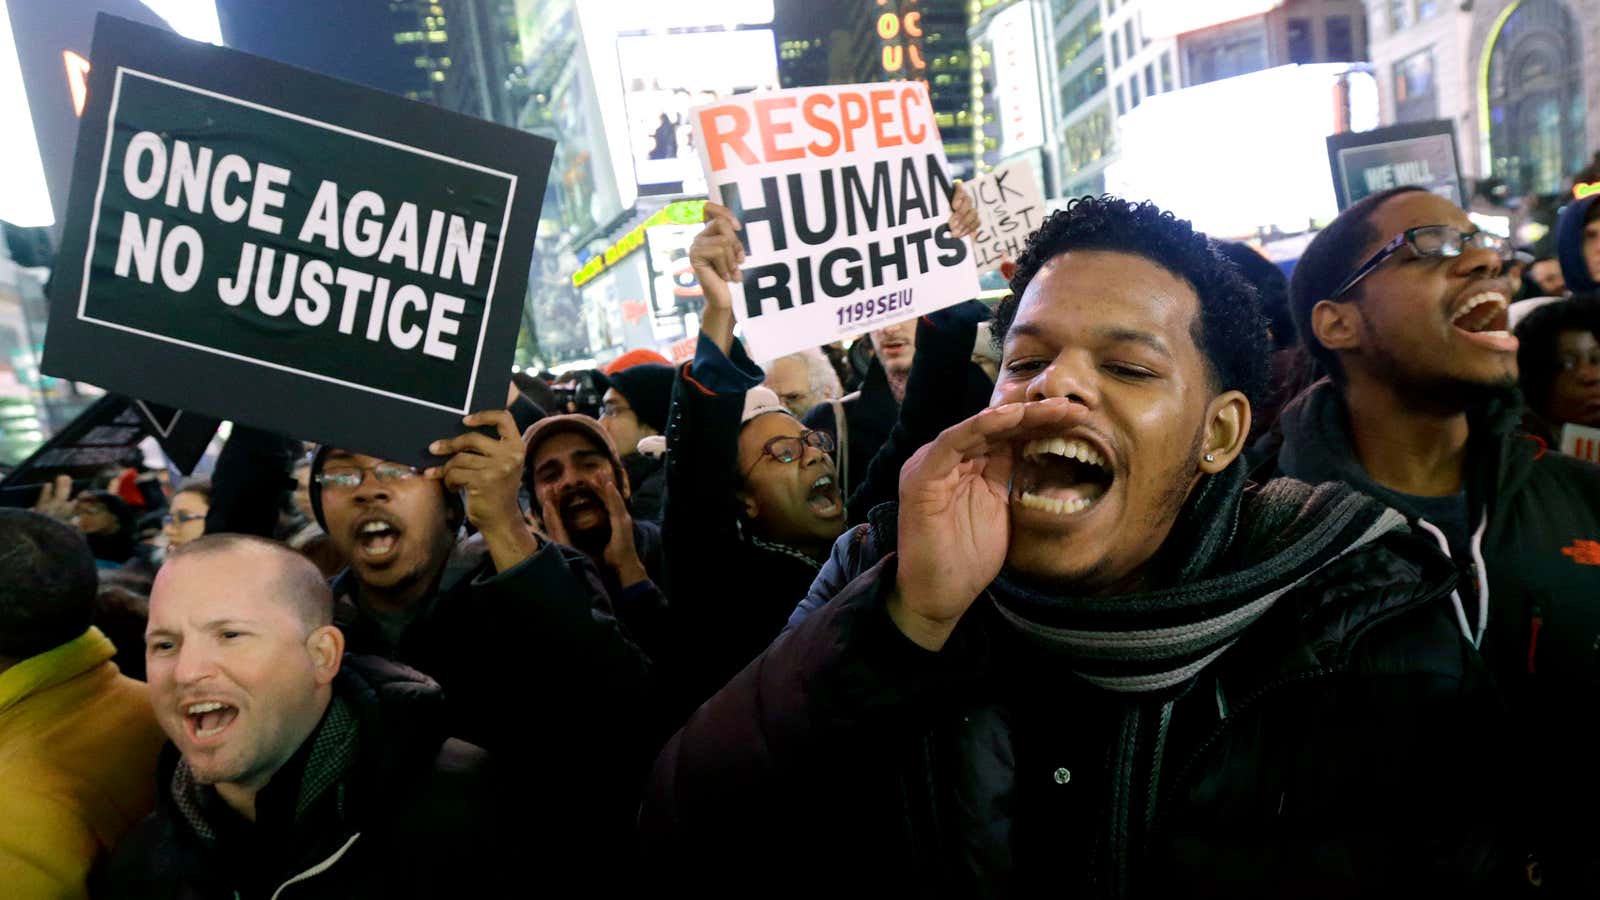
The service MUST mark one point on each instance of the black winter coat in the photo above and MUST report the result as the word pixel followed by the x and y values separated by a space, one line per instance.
pixel 534 669
pixel 1346 746
pixel 414 815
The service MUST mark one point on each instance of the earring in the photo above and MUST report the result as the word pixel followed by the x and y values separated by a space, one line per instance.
pixel 1210 458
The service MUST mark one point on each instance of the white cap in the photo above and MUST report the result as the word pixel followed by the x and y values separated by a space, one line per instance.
pixel 760 400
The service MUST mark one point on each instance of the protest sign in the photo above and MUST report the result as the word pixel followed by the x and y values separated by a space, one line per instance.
pixel 300 254
pixel 844 193
pixel 1010 207
pixel 1581 441
pixel 1419 153
pixel 108 434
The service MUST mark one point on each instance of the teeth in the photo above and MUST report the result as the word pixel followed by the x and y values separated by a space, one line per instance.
pixel 208 732
pixel 374 527
pixel 1071 449
pixel 822 482
pixel 199 708
pixel 1478 300
pixel 1055 505
pixel 1496 333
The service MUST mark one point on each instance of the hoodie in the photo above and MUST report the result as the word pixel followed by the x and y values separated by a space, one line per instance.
pixel 1535 526
pixel 1569 245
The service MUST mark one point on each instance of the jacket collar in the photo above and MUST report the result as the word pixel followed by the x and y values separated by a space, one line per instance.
pixel 54 666
pixel 1318 446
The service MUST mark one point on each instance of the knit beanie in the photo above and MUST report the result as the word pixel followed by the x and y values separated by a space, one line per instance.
pixel 648 389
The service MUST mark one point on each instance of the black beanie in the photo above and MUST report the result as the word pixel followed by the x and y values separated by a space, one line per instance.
pixel 452 499
pixel 648 387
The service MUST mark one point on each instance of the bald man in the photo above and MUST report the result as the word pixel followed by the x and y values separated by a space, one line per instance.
pixel 290 762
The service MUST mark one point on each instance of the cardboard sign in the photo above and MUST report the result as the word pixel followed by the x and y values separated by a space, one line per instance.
pixel 1420 153
pixel 844 193
pixel 1010 207
pixel 106 434
pixel 1581 441
pixel 290 251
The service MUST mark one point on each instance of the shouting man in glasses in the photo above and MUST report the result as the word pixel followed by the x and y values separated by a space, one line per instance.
pixel 510 627
pixel 1403 302
pixel 752 502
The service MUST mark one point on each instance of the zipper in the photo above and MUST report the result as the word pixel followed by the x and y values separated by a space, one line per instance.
pixel 317 869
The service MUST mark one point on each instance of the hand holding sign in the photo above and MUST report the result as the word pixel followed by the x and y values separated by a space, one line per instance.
pixel 963 215
pixel 488 472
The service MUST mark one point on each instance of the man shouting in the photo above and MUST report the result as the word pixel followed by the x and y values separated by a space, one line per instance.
pixel 1083 657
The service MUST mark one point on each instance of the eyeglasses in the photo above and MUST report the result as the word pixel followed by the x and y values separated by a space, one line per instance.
pixel 182 518
pixel 613 409
pixel 789 449
pixel 350 477
pixel 1428 242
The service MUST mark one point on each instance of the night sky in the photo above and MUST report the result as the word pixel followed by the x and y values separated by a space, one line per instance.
pixel 349 39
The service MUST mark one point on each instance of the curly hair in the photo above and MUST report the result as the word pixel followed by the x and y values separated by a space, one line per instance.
pixel 1229 329
pixel 1539 333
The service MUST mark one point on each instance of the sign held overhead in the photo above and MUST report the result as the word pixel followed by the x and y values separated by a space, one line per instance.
pixel 844 193
pixel 263 244
pixel 1010 208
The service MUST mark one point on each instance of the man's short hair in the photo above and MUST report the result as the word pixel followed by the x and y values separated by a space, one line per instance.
pixel 1229 329
pixel 47 584
pixel 1272 288
pixel 1539 333
pixel 298 582
pixel 822 380
pixel 197 484
pixel 1334 255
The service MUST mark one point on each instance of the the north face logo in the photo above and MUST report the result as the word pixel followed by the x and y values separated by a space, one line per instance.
pixel 1584 553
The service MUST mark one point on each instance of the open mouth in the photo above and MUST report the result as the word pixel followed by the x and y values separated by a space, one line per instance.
pixel 1061 476
pixel 377 540
pixel 1483 319
pixel 207 720
pixel 824 499
pixel 582 509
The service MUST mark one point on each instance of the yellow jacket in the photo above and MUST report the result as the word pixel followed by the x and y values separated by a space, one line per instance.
pixel 78 747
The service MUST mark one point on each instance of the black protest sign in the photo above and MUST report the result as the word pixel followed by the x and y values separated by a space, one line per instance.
pixel 183 435
pixel 1010 207
pixel 108 434
pixel 1421 154
pixel 260 243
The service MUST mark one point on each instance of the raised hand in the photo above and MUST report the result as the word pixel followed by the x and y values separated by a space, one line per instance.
pixel 954 516
pixel 963 213
pixel 716 256
pixel 488 472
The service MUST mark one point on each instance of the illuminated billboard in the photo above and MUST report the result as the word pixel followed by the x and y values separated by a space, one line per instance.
pixel 664 76
pixel 1244 153
pixel 1016 72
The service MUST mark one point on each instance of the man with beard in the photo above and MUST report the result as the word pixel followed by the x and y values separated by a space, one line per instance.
pixel 512 629
pixel 289 763
pixel 1402 300
pixel 1084 657
pixel 582 496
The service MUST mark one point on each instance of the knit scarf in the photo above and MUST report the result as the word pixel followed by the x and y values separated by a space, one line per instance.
pixel 1232 553
pixel 332 752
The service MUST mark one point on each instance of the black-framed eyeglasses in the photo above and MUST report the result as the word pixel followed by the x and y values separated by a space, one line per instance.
pixel 789 449
pixel 182 518
pixel 350 477
pixel 1427 241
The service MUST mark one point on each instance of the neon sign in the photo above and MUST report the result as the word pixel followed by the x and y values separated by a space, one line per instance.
pixel 901 34
pixel 1585 189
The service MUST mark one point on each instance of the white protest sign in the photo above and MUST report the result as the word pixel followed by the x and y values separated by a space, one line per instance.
pixel 1581 441
pixel 844 193
pixel 1010 207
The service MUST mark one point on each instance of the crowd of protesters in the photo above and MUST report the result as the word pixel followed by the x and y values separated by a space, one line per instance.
pixel 1166 576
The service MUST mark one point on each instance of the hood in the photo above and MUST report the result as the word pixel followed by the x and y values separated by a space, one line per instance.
pixel 1318 446
pixel 1569 245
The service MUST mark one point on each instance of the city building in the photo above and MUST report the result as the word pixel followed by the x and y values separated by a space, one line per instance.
pixel 1519 78
pixel 1086 129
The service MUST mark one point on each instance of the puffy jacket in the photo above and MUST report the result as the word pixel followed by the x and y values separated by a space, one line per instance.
pixel 412 814
pixel 1347 745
